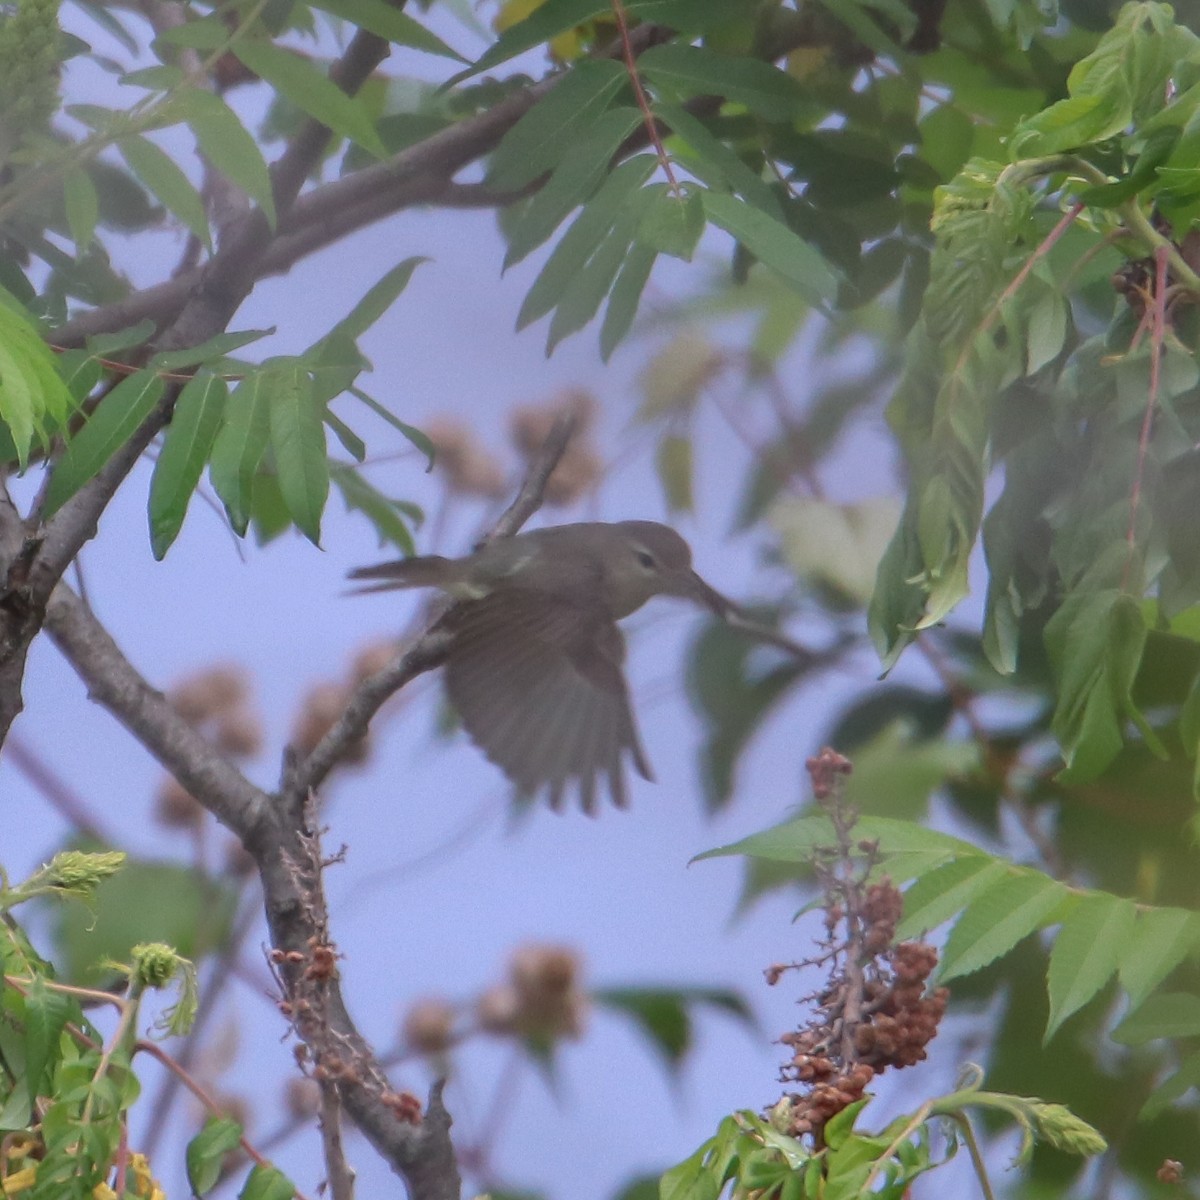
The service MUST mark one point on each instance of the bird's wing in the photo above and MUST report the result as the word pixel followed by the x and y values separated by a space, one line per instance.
pixel 540 689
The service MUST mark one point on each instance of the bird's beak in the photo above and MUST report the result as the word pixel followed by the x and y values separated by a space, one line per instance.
pixel 696 589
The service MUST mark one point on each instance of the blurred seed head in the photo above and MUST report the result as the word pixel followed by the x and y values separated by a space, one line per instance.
pixel 209 693
pixel 322 707
pixel 302 1097
pixel 428 1026
pixel 238 732
pixel 464 463
pixel 175 807
pixel 372 658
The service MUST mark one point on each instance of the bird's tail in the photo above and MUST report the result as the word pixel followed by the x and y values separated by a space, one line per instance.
pixel 428 570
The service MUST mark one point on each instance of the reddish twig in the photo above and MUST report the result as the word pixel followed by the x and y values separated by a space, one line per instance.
pixel 643 103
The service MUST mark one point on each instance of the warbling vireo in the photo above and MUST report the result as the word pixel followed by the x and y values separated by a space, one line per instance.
pixel 535 663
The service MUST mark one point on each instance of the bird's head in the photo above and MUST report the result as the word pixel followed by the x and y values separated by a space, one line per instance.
pixel 650 559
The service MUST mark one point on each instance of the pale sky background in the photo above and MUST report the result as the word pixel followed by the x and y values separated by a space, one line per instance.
pixel 618 888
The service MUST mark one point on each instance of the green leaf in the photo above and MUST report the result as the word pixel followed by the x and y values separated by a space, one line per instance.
pixel 267 1183
pixel 1160 940
pixel 945 891
pixel 33 397
pixel 1095 642
pixel 625 297
pixel 145 901
pixel 227 144
pixel 216 347
pixel 105 345
pixel 389 23
pixel 664 1014
pixel 673 462
pixel 730 170
pixel 113 423
pixel 1085 954
pixel 189 439
pixel 585 292
pixel 379 298
pixel 581 168
pixel 584 236
pixel 688 71
pixel 46 1014
pixel 774 245
pixel 1169 1015
pixel 389 517
pixel 671 224
pixel 206 1152
pixel 550 19
pixel 538 141
pixel 204 33
pixel 795 841
pixel 411 432
pixel 998 918
pixel 298 442
pixel 83 208
pixel 311 91
pixel 157 170
pixel 239 448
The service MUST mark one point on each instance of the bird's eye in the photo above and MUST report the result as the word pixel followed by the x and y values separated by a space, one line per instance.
pixel 646 559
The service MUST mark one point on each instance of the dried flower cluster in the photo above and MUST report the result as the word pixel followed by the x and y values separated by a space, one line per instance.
pixel 875 1012
pixel 470 469
pixel 541 999
pixel 215 702
pixel 326 701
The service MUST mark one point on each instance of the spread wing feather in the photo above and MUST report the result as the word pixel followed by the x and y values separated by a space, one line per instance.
pixel 540 689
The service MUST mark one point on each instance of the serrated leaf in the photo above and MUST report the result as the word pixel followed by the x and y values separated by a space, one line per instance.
pixel 538 141
pixel 83 208
pixel 945 891
pixel 1167 1015
pixel 206 1152
pixel 239 448
pixel 795 841
pixel 112 424
pixel 774 245
pixel 390 24
pixel 298 442
pixel 311 91
pixel 1000 917
pixel 688 71
pixel 1085 954
pixel 154 168
pixel 46 1015
pixel 578 172
pixel 1160 940
pixel 186 447
pixel 227 144
pixel 584 236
